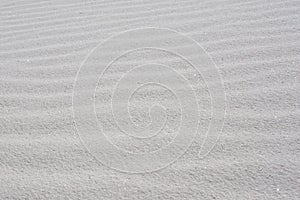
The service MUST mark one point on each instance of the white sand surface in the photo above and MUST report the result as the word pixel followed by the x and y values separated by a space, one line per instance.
pixel 255 45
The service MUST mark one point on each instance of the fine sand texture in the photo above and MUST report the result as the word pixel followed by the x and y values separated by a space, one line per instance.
pixel 46 45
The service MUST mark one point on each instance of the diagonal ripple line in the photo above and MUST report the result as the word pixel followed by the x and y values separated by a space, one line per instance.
pixel 94 71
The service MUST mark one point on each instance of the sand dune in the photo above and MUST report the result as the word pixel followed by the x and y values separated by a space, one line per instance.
pixel 255 46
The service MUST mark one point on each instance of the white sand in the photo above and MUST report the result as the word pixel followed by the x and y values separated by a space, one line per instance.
pixel 254 43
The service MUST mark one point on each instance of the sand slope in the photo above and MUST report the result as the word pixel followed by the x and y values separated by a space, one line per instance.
pixel 256 46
